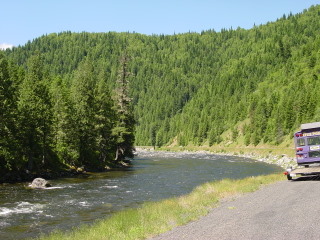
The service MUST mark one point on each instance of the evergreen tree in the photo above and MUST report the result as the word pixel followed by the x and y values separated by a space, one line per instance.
pixel 35 114
pixel 8 118
pixel 124 129
pixel 105 117
pixel 63 125
pixel 83 102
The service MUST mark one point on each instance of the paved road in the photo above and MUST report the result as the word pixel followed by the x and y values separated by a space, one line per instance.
pixel 284 210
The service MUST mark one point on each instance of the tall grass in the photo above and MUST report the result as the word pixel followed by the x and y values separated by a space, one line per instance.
pixel 154 218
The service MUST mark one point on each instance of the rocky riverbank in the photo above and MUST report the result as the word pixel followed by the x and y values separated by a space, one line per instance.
pixel 282 160
pixel 27 176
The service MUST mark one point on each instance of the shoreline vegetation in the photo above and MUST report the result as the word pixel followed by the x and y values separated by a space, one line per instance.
pixel 56 173
pixel 154 218
pixel 50 128
pixel 280 156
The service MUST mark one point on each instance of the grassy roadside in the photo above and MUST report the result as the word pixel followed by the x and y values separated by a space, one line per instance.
pixel 154 218
pixel 238 147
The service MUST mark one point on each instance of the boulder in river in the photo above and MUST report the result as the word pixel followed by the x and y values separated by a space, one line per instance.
pixel 39 183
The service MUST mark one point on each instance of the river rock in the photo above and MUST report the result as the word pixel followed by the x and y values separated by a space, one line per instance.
pixel 39 183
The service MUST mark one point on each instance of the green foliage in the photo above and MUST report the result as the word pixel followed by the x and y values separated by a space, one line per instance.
pixel 123 132
pixel 53 121
pixel 183 89
pixel 82 99
pixel 35 115
pixel 8 115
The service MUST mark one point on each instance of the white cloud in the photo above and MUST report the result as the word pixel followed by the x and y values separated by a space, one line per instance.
pixel 4 46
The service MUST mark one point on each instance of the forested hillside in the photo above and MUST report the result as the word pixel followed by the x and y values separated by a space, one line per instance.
pixel 258 84
pixel 54 123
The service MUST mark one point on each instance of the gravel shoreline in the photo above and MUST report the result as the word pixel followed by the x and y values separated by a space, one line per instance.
pixel 283 160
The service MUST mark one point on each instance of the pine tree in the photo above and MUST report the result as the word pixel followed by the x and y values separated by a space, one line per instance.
pixel 105 117
pixel 124 130
pixel 8 117
pixel 35 112
pixel 82 98
pixel 63 125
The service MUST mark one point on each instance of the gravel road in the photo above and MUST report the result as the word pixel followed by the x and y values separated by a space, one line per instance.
pixel 284 210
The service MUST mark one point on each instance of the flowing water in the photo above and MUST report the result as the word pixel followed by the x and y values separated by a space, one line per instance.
pixel 26 213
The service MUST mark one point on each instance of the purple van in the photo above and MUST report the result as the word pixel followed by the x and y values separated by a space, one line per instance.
pixel 307 143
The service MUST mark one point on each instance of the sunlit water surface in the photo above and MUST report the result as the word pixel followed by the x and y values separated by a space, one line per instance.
pixel 26 213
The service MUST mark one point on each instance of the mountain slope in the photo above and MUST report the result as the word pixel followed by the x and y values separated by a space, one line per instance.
pixel 193 87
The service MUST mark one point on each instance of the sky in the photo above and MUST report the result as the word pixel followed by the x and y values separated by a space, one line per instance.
pixel 24 20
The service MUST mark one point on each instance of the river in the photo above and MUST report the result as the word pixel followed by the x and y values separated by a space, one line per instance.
pixel 26 213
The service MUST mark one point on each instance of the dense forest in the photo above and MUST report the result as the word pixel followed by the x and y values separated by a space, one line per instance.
pixel 78 97
pixel 53 123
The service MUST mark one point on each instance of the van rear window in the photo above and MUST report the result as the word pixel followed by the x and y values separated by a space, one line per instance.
pixel 313 141
pixel 301 142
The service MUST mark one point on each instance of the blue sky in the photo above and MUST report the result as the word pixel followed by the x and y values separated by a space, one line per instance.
pixel 23 20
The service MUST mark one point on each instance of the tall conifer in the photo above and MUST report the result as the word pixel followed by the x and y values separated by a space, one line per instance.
pixel 35 115
pixel 8 117
pixel 124 130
